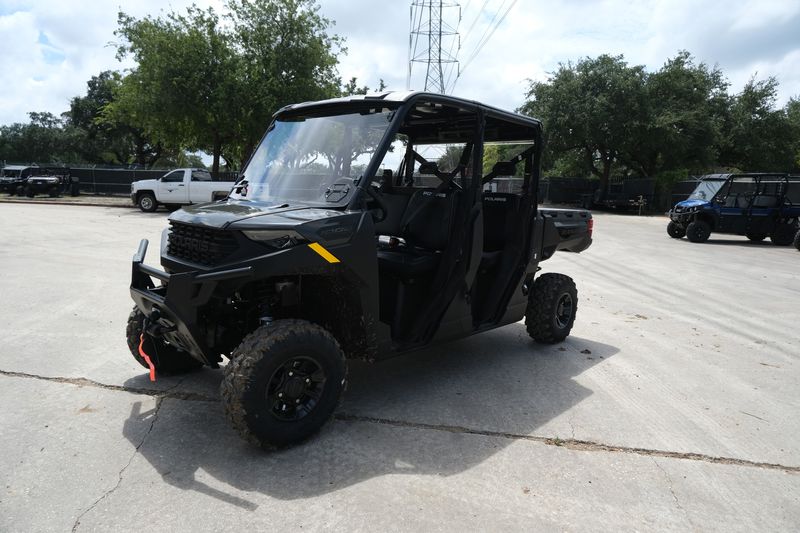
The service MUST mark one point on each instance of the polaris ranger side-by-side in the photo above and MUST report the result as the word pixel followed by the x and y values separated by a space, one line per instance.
pixel 343 240
pixel 754 205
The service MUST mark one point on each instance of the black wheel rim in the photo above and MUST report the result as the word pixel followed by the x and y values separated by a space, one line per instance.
pixel 564 310
pixel 295 388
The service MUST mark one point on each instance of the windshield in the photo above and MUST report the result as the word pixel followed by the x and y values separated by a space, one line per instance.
pixel 315 160
pixel 706 190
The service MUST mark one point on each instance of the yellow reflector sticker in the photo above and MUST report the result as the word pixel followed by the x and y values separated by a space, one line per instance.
pixel 326 255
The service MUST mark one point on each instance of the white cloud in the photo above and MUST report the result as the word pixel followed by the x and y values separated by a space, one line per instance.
pixel 742 38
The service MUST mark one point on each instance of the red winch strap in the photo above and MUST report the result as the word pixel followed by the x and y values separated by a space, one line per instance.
pixel 147 358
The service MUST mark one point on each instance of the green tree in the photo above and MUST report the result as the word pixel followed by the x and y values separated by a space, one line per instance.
pixel 686 108
pixel 759 136
pixel 595 109
pixel 44 139
pixel 110 139
pixel 792 111
pixel 206 82
pixel 287 57
pixel 184 91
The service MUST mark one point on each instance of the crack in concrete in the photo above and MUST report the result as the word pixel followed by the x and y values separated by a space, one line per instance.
pixel 571 443
pixel 106 494
pixel 672 491
pixel 83 382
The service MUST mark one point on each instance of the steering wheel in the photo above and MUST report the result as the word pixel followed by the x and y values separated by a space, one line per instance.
pixel 383 208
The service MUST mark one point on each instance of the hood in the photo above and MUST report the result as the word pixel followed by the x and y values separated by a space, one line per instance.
pixel 250 215
pixel 686 204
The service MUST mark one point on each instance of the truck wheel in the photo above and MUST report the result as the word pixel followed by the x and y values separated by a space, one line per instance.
pixel 29 192
pixel 52 192
pixel 167 359
pixel 756 237
pixel 283 383
pixel 783 234
pixel 552 305
pixel 698 231
pixel 147 202
pixel 675 230
pixel 797 240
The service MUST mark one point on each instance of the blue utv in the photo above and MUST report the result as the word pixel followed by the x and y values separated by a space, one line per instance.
pixel 754 205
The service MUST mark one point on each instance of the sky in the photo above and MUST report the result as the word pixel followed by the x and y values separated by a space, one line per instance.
pixel 50 48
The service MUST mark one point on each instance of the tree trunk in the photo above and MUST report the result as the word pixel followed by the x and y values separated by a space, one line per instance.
pixel 217 148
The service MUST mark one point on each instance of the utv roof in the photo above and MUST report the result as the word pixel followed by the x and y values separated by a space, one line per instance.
pixel 403 97
pixel 723 177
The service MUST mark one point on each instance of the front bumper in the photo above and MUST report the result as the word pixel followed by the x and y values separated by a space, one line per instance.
pixel 683 217
pixel 173 306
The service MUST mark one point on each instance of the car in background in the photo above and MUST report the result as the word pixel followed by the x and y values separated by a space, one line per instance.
pixel 179 187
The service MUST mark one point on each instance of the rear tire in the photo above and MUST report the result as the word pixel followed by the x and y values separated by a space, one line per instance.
pixel 52 192
pixel 147 202
pixel 167 359
pixel 797 240
pixel 783 234
pixel 675 230
pixel 29 192
pixel 698 231
pixel 552 306
pixel 283 383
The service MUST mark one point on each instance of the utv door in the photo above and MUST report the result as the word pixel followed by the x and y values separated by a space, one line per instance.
pixel 735 205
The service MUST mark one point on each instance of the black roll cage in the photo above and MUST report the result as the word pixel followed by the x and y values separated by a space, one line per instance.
pixel 401 110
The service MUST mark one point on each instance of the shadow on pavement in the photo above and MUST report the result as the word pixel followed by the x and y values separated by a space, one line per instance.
pixel 499 381
pixel 741 242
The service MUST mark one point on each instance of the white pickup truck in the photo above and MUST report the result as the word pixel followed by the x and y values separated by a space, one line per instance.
pixel 178 187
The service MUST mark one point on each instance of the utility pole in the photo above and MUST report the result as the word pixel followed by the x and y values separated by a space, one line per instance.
pixel 429 24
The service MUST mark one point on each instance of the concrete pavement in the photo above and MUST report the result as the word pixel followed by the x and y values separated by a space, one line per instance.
pixel 673 406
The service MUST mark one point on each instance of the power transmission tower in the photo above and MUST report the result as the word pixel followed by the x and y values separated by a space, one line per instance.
pixel 430 25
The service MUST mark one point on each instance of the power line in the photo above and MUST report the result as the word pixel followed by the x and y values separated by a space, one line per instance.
pixel 485 40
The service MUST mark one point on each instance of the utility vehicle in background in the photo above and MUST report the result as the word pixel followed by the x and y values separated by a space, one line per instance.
pixel 346 238
pixel 754 205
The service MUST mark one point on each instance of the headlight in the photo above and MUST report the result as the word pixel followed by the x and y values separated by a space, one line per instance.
pixel 276 238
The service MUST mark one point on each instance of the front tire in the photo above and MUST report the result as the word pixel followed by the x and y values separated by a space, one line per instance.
pixel 675 230
pixel 147 202
pixel 552 306
pixel 283 383
pixel 166 358
pixel 698 231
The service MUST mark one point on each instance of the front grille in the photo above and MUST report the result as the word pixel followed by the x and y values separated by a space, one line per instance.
pixel 199 244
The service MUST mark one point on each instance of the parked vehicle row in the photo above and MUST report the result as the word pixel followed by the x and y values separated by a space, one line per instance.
pixel 20 180
pixel 182 186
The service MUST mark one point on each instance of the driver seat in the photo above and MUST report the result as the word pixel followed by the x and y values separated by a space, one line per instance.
pixel 425 226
